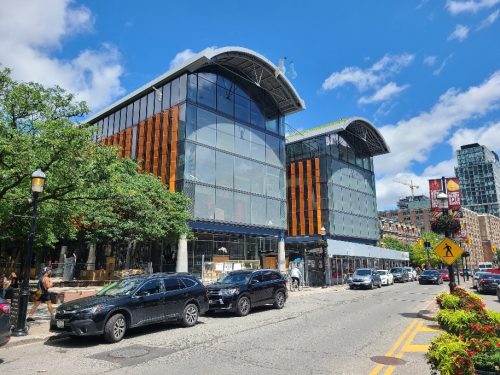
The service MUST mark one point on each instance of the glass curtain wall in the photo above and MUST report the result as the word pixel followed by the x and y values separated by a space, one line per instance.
pixel 234 155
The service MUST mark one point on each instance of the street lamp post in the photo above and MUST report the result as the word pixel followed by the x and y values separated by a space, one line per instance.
pixel 324 245
pixel 443 204
pixel 37 182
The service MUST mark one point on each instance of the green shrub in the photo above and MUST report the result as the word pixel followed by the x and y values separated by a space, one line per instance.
pixel 456 321
pixel 450 302
pixel 487 361
pixel 448 355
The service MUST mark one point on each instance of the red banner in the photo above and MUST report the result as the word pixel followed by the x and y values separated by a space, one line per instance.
pixel 454 193
pixel 434 189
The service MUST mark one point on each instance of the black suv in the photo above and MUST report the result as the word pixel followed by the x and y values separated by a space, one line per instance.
pixel 240 291
pixel 133 302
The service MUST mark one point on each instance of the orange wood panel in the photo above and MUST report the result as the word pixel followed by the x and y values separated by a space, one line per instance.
pixel 310 197
pixel 111 140
pixel 116 139
pixel 164 146
pixel 140 148
pixel 156 148
pixel 302 216
pixel 318 195
pixel 128 143
pixel 173 148
pixel 149 140
pixel 123 140
pixel 293 198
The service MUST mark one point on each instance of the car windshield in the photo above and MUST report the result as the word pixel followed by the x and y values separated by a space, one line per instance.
pixel 236 278
pixel 396 270
pixel 363 272
pixel 443 271
pixel 120 288
pixel 382 272
pixel 430 273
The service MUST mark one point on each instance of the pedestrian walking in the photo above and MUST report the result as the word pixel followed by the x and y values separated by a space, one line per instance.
pixel 42 294
pixel 9 286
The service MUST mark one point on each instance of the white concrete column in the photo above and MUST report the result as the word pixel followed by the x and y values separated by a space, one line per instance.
pixel 182 255
pixel 91 258
pixel 281 253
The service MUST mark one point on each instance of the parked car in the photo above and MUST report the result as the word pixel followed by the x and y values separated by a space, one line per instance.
pixel 498 292
pixel 132 302
pixel 400 274
pixel 430 277
pixel 4 322
pixel 386 277
pixel 365 278
pixel 476 277
pixel 412 274
pixel 241 291
pixel 445 275
pixel 488 283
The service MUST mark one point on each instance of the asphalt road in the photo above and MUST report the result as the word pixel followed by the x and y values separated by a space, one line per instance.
pixel 321 331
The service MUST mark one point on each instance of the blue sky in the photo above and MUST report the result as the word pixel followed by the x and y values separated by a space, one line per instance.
pixel 426 73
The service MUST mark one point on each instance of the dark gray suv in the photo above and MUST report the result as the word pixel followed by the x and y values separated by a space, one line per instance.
pixel 365 278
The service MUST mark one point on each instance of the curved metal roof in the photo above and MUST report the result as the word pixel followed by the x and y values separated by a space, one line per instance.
pixel 353 130
pixel 247 64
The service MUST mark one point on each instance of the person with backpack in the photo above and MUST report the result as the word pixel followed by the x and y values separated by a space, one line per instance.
pixel 42 294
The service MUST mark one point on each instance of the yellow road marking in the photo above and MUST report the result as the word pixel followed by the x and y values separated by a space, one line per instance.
pixel 428 329
pixel 391 369
pixel 415 348
pixel 396 345
pixel 409 340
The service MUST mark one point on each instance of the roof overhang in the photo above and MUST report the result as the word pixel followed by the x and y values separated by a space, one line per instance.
pixel 245 63
pixel 356 131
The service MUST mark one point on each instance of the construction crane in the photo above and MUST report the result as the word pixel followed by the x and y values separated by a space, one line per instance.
pixel 410 184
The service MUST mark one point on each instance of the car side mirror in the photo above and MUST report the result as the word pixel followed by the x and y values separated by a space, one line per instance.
pixel 254 281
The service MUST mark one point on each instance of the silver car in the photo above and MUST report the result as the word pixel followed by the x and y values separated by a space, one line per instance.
pixel 475 279
pixel 412 274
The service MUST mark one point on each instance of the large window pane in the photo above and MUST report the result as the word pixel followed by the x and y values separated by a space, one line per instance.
pixel 272 150
pixel 258 210
pixel 258 177
pixel 191 122
pixel 242 174
pixel 256 116
pixel 224 170
pixel 224 205
pixel 104 133
pixel 174 92
pixel 242 139
pixel 258 145
pixel 273 212
pixel 242 208
pixel 206 92
pixel 205 165
pixel 241 108
pixel 225 99
pixel 182 87
pixel 204 202
pixel 192 87
pixel 225 134
pixel 273 182
pixel 165 98
pixel 123 117
pixel 143 105
pixel 135 119
pixel 272 125
pixel 151 104
pixel 190 162
pixel 206 127
pixel 129 115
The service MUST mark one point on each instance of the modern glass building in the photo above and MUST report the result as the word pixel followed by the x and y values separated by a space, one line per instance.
pixel 331 181
pixel 479 173
pixel 213 129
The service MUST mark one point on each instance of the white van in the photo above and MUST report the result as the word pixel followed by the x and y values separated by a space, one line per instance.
pixel 483 265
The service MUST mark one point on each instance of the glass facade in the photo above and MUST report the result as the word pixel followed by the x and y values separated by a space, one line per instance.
pixel 233 162
pixel 479 174
pixel 345 191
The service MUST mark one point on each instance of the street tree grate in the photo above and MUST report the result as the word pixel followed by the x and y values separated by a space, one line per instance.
pixel 133 354
pixel 386 360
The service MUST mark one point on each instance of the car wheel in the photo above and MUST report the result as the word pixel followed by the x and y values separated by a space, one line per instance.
pixel 190 315
pixel 243 306
pixel 371 285
pixel 279 300
pixel 115 328
pixel 380 284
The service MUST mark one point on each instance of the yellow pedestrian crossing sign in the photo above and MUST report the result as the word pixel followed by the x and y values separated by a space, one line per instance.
pixel 448 251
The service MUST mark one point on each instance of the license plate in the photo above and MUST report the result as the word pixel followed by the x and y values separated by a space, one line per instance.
pixel 60 324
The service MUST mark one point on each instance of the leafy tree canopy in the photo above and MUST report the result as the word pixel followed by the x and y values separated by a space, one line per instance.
pixel 89 192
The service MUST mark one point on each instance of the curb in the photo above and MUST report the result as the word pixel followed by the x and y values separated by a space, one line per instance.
pixel 14 342
pixel 425 314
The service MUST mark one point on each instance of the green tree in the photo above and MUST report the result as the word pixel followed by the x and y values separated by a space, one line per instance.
pixel 90 193
pixel 418 253
pixel 393 243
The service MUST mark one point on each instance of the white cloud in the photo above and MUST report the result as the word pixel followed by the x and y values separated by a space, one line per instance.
pixel 460 33
pixel 455 7
pixel 490 20
pixel 31 31
pixel 384 93
pixel 364 79
pixel 430 60
pixel 412 140
pixel 181 57
pixel 389 190
pixel 443 168
pixel 487 135
pixel 438 71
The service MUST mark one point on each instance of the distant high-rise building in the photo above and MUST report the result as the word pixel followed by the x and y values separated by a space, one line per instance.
pixel 411 211
pixel 414 203
pixel 479 173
